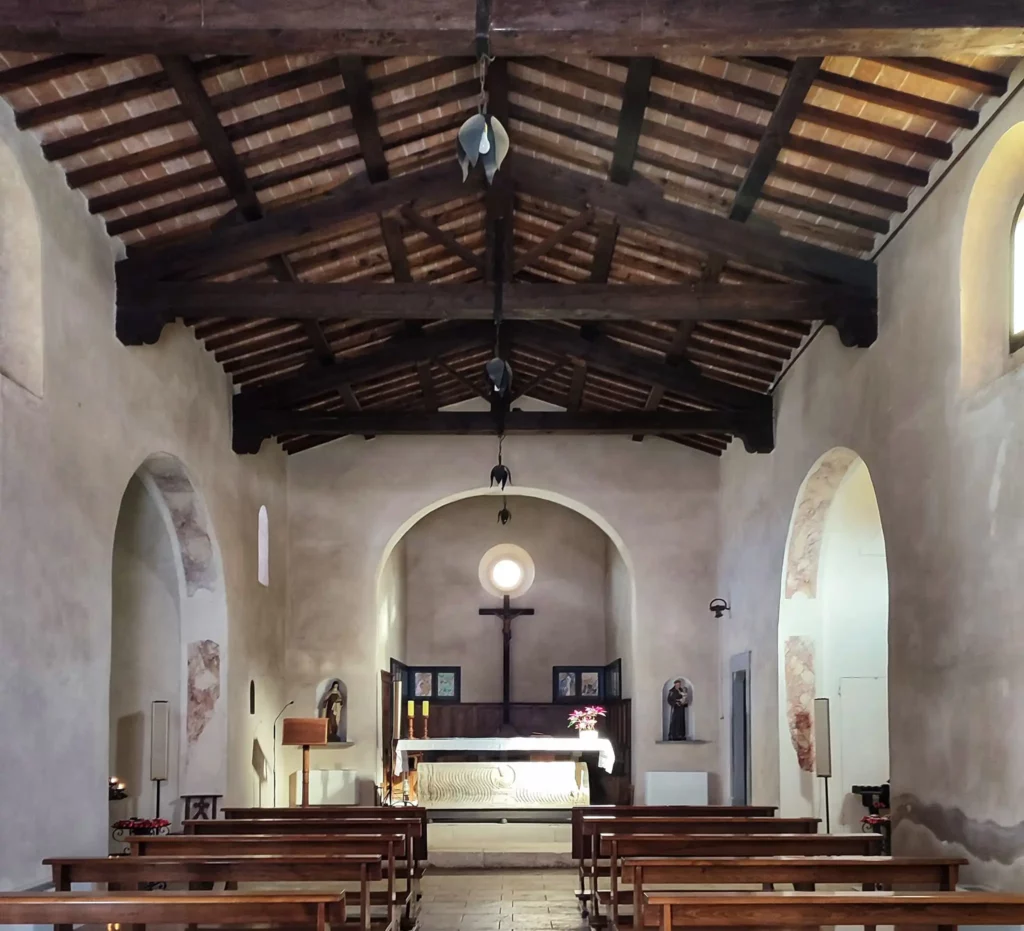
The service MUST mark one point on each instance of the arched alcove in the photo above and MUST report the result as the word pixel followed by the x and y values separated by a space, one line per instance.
pixel 21 279
pixel 833 639
pixel 986 263
pixel 168 638
pixel 677 697
pixel 323 689
pixel 263 546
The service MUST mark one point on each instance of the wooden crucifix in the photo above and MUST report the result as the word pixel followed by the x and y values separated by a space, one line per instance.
pixel 507 614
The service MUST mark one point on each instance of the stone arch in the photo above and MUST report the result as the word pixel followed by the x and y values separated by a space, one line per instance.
pixel 986 260
pixel 167 573
pixel 21 279
pixel 833 634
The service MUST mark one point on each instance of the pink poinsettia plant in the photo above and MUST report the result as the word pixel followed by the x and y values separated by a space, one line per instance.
pixel 585 719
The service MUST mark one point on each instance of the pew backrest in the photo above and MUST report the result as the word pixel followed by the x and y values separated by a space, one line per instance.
pixel 739 845
pixel 605 824
pixel 385 843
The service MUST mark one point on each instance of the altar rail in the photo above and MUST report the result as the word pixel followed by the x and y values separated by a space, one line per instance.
pixel 484 719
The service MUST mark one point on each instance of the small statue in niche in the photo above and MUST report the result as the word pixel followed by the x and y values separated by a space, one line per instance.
pixel 330 708
pixel 678 698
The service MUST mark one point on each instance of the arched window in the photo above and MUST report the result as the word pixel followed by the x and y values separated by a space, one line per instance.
pixel 1017 271
pixel 263 547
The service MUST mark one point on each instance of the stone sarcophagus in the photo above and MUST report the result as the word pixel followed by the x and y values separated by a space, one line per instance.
pixel 498 784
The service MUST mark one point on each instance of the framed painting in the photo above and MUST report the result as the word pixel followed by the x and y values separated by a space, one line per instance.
pixel 613 680
pixel 435 683
pixel 577 683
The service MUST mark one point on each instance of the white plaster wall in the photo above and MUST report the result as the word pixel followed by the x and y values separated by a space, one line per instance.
pixel 65 461
pixel 944 468
pixel 443 553
pixel 351 499
pixel 619 614
pixel 145 649
pixel 391 605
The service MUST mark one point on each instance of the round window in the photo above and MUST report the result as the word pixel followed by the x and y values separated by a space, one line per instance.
pixel 506 569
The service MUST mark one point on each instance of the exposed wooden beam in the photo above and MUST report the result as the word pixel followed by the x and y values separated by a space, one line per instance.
pixel 776 134
pixel 949 72
pixel 148 305
pixel 754 428
pixel 518 27
pixel 537 381
pixel 604 252
pixel 477 387
pixel 443 237
pixel 605 353
pixel 644 206
pixel 48 69
pixel 581 221
pixel 294 227
pixel 364 117
pixel 500 197
pixel 635 95
pixel 577 385
pixel 427 387
pixel 404 349
pixel 398 256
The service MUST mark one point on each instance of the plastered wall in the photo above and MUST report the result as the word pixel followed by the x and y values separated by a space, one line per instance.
pixel 945 464
pixel 65 461
pixel 443 552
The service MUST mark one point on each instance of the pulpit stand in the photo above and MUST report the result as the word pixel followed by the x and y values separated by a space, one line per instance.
pixel 305 733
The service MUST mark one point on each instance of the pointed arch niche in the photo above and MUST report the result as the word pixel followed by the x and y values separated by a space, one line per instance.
pixel 833 640
pixel 168 639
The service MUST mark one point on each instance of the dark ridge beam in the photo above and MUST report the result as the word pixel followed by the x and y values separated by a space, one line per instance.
pixel 635 95
pixel 775 137
pixel 364 117
pixel 500 197
pixel 755 428
pixel 604 252
pixel 577 385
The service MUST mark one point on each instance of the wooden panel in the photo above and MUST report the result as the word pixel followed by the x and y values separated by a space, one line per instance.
pixel 298 732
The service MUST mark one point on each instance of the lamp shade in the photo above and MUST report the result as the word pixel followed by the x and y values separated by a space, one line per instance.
pixel 302 732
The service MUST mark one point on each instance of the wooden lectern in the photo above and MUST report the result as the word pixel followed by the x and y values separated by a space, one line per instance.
pixel 305 733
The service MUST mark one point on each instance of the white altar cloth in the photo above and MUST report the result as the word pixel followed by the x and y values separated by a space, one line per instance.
pixel 606 753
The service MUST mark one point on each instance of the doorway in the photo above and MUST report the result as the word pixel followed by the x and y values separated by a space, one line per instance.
pixel 739 729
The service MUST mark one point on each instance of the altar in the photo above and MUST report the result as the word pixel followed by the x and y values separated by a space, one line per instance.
pixel 506 778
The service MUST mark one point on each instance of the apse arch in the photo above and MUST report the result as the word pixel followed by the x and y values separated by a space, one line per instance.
pixel 21 279
pixel 833 639
pixel 168 599
pixel 986 265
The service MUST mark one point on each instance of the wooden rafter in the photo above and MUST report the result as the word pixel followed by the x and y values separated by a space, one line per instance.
pixel 577 385
pixel 364 118
pixel 425 225
pixel 635 95
pixel 604 252
pixel 579 222
pixel 787 27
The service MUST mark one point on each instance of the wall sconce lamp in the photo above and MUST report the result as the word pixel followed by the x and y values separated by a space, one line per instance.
pixel 718 607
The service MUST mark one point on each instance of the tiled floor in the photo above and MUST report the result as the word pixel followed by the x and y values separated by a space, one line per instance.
pixel 500 900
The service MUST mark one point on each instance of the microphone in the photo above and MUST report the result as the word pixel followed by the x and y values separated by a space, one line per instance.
pixel 278 718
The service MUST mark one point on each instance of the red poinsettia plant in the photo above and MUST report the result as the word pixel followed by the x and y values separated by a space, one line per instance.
pixel 585 719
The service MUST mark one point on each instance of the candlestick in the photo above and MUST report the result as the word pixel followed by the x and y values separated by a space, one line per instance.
pixel 426 719
pixel 410 708
pixel 426 709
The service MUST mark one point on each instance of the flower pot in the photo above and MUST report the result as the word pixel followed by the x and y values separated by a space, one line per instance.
pixel 589 735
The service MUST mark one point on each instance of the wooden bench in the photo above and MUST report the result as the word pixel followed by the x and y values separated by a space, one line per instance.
pixel 64 910
pixel 615 847
pixel 813 909
pixel 123 873
pixel 581 844
pixel 803 872
pixel 390 846
pixel 339 812
pixel 411 826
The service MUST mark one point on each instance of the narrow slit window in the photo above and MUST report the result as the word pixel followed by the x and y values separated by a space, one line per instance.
pixel 1017 282
pixel 263 547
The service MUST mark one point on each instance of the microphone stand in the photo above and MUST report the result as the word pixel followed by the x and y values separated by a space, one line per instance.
pixel 278 718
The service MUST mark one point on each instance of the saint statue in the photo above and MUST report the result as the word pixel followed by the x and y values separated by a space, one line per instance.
pixel 678 699
pixel 330 708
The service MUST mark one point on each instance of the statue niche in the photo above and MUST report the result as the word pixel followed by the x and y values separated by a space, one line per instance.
pixel 677 709
pixel 333 705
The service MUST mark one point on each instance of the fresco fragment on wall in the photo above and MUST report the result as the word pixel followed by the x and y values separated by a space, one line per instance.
pixel 799 659
pixel 203 685
pixel 809 521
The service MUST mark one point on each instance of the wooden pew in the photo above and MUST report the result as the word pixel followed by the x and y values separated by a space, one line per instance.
pixel 803 872
pixel 615 847
pixel 390 846
pixel 126 872
pixel 581 844
pixel 411 826
pixel 64 910
pixel 666 910
pixel 339 812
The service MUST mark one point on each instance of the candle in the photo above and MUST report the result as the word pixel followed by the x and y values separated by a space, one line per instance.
pixel 426 709
pixel 411 708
